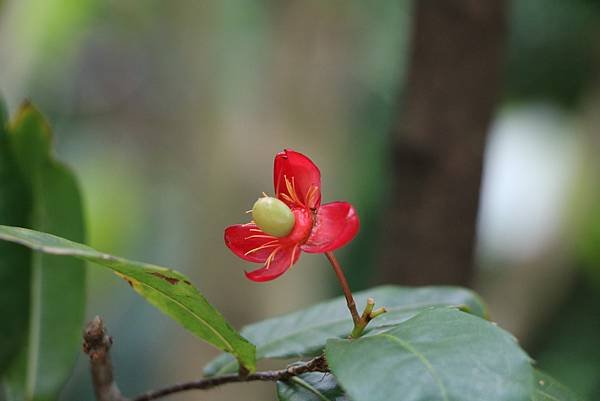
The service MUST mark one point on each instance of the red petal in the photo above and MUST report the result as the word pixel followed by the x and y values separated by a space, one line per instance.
pixel 302 173
pixel 336 224
pixel 243 238
pixel 281 262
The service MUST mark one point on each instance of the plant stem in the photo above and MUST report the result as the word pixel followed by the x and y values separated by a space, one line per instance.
pixel 97 344
pixel 345 287
pixel 317 364
pixel 360 321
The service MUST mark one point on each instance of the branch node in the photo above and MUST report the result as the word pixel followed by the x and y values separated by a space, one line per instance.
pixel 96 344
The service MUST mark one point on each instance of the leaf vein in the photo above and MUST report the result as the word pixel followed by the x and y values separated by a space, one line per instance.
pixel 309 387
pixel 423 359
pixel 391 310
pixel 547 394
pixel 227 343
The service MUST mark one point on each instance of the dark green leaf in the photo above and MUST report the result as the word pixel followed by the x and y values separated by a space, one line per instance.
pixel 549 389
pixel 314 386
pixel 168 290
pixel 15 270
pixel 438 355
pixel 57 289
pixel 305 332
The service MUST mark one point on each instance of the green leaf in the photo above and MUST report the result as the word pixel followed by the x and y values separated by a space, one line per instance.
pixel 3 116
pixel 305 332
pixel 168 290
pixel 314 386
pixel 15 270
pixel 438 355
pixel 549 389
pixel 57 285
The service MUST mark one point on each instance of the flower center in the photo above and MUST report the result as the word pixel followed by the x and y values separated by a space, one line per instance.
pixel 302 228
pixel 273 216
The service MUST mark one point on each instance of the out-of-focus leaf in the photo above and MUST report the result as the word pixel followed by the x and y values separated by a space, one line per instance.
pixel 549 389
pixel 439 355
pixel 14 260
pixel 305 332
pixel 567 346
pixel 551 51
pixel 57 285
pixel 313 386
pixel 168 290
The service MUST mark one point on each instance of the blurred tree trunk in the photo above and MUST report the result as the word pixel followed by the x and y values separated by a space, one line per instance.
pixel 454 80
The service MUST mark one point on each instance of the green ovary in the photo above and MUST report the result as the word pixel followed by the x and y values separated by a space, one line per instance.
pixel 273 216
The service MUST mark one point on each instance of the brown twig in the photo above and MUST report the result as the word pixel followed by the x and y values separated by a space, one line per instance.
pixel 317 364
pixel 97 343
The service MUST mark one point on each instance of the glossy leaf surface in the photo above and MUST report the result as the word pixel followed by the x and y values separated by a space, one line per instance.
pixel 438 355
pixel 168 290
pixel 15 270
pixel 314 386
pixel 304 333
pixel 549 389
pixel 57 285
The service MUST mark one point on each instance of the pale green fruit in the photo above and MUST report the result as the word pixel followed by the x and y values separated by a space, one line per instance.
pixel 273 216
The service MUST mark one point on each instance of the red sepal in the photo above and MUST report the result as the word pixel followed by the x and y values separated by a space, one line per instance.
pixel 243 238
pixel 336 224
pixel 281 262
pixel 302 175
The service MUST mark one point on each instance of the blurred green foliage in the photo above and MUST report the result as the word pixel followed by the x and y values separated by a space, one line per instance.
pixel 52 290
pixel 15 206
pixel 567 347
pixel 551 54
pixel 150 96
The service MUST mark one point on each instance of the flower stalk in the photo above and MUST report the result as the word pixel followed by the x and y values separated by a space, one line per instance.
pixel 360 321
pixel 345 287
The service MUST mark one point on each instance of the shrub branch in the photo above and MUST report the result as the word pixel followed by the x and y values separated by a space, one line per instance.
pixel 97 343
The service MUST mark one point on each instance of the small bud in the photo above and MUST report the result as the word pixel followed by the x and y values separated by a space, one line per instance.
pixel 273 216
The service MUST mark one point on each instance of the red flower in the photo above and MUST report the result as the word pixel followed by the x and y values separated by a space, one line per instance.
pixel 317 228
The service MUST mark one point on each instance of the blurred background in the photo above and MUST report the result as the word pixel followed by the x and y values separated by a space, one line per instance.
pixel 466 134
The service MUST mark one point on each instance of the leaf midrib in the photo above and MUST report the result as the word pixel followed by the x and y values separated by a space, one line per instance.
pixel 546 394
pixel 98 258
pixel 35 327
pixel 227 343
pixel 406 345
pixel 309 387
pixel 260 348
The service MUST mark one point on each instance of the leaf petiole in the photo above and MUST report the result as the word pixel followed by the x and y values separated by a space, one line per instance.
pixel 360 321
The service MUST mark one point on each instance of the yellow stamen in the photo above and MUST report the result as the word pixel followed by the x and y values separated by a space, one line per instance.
pixel 271 257
pixel 291 188
pixel 311 196
pixel 293 254
pixel 287 198
pixel 270 244
pixel 288 185
pixel 260 236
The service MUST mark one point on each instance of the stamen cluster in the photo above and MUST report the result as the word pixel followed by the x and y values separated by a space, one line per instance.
pixel 317 228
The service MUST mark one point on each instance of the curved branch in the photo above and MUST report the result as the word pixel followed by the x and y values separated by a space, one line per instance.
pixel 317 364
pixel 97 343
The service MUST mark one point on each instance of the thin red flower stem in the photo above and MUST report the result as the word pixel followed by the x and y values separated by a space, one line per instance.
pixel 345 287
